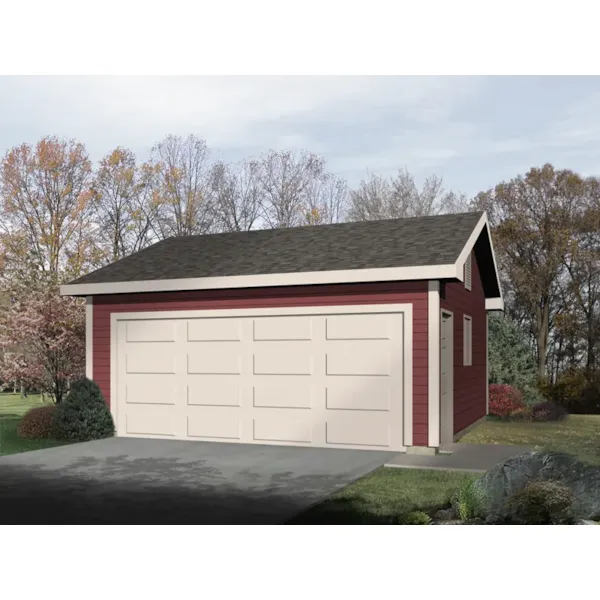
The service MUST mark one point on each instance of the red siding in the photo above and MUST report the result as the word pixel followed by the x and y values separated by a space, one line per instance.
pixel 469 382
pixel 371 293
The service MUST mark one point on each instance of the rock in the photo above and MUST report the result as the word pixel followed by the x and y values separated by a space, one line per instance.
pixel 494 519
pixel 475 521
pixel 507 477
pixel 445 514
pixel 449 522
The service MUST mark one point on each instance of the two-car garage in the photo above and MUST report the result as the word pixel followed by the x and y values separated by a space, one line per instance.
pixel 335 376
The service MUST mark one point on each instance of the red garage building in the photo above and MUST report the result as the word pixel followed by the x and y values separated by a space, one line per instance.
pixel 369 335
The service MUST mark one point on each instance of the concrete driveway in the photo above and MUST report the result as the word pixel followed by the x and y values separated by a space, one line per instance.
pixel 139 481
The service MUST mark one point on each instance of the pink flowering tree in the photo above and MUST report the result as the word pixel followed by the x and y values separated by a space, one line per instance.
pixel 42 338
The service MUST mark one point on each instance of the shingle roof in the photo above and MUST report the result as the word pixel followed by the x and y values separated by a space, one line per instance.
pixel 419 241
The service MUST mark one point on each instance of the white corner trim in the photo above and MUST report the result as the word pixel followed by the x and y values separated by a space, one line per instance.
pixel 274 280
pixel 487 364
pixel 89 337
pixel 433 363
pixel 405 309
pixel 494 304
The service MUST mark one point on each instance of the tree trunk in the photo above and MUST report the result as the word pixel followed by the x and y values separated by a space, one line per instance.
pixel 542 318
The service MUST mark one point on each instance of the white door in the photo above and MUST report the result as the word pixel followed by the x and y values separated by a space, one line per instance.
pixel 447 379
pixel 328 380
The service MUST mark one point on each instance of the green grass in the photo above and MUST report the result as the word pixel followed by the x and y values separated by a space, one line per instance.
pixel 384 495
pixel 578 435
pixel 12 408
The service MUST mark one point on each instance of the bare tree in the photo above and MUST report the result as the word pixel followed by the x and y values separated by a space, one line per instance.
pixel 183 186
pixel 237 193
pixel 286 180
pixel 327 200
pixel 399 197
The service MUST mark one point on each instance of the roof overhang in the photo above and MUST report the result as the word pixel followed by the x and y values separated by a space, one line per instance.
pixel 415 273
pixel 494 304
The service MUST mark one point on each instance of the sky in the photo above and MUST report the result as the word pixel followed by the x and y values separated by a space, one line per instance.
pixel 474 132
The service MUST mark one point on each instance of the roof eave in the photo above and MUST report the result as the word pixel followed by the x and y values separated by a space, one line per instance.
pixel 418 273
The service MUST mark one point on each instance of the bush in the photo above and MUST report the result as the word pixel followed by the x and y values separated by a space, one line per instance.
pixel 577 389
pixel 548 411
pixel 521 414
pixel 504 400
pixel 37 422
pixel 467 502
pixel 541 503
pixel 415 518
pixel 83 415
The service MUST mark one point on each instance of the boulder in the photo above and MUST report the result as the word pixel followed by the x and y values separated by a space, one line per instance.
pixel 445 514
pixel 513 474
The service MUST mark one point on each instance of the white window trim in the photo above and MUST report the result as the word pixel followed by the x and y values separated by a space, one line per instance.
pixel 467 341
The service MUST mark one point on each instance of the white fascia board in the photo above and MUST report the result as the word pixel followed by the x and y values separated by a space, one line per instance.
pixel 274 280
pixel 494 304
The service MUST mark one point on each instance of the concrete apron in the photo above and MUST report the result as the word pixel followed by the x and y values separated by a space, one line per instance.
pixel 474 458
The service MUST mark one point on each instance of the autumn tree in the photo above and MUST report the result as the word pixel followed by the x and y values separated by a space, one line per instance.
pixel 183 192
pixel 45 207
pixel 533 218
pixel 42 338
pixel 327 200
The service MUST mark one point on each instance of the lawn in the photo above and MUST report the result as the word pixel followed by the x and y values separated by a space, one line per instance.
pixel 383 495
pixel 578 435
pixel 12 408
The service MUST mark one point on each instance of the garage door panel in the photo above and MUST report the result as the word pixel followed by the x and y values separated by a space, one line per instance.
pixel 283 425
pixel 359 327
pixel 358 393
pixel 213 391
pixel 155 331
pixel 158 389
pixel 211 359
pixel 214 422
pixel 146 359
pixel 358 429
pixel 359 358
pixel 282 328
pixel 283 359
pixel 161 420
pixel 292 394
pixel 214 330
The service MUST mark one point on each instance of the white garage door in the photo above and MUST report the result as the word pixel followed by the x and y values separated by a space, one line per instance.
pixel 327 380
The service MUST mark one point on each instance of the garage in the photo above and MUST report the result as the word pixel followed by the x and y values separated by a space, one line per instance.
pixel 307 376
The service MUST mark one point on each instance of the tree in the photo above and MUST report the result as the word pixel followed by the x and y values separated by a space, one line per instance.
pixel 327 200
pixel 286 181
pixel 42 336
pixel 237 194
pixel 399 197
pixel 45 206
pixel 533 220
pixel 511 359
pixel 183 186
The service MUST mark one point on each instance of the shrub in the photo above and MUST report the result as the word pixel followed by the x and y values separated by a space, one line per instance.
pixel 415 518
pixel 467 502
pixel 541 503
pixel 503 400
pixel 83 415
pixel 521 414
pixel 37 422
pixel 548 411
pixel 577 389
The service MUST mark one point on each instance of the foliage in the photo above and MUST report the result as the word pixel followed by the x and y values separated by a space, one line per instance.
pixel 548 411
pixel 84 415
pixel 467 501
pixel 42 335
pixel 37 423
pixel 521 414
pixel 511 359
pixel 504 400
pixel 541 503
pixel 416 517
pixel 577 389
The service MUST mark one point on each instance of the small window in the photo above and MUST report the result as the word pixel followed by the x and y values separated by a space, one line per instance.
pixel 467 341
pixel 468 273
